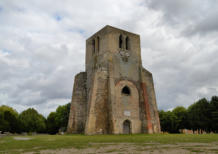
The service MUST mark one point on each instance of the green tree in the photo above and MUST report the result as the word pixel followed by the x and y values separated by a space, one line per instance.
pixel 181 114
pixel 9 119
pixel 168 121
pixel 4 125
pixel 32 121
pixel 62 116
pixel 59 119
pixel 4 108
pixel 199 115
pixel 52 125
pixel 214 114
pixel 13 122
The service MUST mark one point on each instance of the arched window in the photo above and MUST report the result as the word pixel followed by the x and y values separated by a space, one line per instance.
pixel 120 41
pixel 127 43
pixel 93 46
pixel 126 91
pixel 98 41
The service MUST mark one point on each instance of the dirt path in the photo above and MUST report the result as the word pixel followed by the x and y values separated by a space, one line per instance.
pixel 127 148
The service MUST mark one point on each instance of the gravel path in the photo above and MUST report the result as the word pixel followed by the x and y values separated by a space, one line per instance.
pixel 127 148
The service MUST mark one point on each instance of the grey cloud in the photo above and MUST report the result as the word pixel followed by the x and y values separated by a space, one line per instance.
pixel 183 68
pixel 178 11
pixel 46 53
pixel 208 24
pixel 193 17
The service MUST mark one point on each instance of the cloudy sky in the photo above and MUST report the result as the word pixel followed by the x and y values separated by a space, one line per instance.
pixel 42 47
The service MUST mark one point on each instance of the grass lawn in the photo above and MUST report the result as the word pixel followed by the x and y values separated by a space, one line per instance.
pixel 10 144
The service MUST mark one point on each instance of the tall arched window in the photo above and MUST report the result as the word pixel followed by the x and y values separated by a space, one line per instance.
pixel 120 41
pixel 98 41
pixel 93 46
pixel 126 91
pixel 127 43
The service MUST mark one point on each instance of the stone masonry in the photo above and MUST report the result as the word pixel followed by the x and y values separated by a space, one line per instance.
pixel 115 95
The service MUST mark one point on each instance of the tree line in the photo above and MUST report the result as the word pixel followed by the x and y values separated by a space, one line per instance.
pixel 31 121
pixel 200 116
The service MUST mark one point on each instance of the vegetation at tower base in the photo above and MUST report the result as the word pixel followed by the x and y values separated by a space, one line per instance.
pixel 31 121
pixel 202 115
pixel 52 124
pixel 59 119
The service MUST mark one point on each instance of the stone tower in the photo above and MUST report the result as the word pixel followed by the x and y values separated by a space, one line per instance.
pixel 115 95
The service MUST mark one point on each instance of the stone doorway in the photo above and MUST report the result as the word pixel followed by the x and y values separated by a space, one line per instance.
pixel 126 127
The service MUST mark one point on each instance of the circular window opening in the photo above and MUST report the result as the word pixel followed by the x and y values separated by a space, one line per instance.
pixel 126 91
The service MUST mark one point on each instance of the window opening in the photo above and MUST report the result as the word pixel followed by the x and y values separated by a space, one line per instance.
pixel 120 41
pixel 93 46
pixel 98 40
pixel 127 43
pixel 126 90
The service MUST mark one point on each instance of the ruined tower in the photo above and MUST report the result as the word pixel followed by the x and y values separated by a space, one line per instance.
pixel 115 95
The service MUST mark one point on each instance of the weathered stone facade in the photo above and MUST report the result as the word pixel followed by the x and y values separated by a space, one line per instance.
pixel 115 94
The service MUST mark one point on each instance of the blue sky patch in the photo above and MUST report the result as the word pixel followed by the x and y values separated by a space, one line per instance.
pixel 6 51
pixel 1 8
pixel 58 17
pixel 81 31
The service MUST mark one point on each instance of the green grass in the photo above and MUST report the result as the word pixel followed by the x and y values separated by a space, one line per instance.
pixel 39 142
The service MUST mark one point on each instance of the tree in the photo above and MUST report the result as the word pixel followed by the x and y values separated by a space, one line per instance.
pixel 32 121
pixel 181 114
pixel 168 121
pixel 62 116
pixel 214 114
pixel 199 115
pixel 13 122
pixel 4 108
pixel 4 125
pixel 9 119
pixel 52 125
pixel 58 120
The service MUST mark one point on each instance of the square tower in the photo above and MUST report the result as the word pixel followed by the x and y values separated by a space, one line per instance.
pixel 115 95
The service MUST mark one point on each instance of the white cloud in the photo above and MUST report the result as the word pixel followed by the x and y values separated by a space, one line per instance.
pixel 42 47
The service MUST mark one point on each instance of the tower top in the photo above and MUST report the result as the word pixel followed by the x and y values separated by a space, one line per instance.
pixel 108 28
pixel 110 41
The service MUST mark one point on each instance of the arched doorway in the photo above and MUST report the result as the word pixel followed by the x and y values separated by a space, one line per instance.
pixel 126 127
